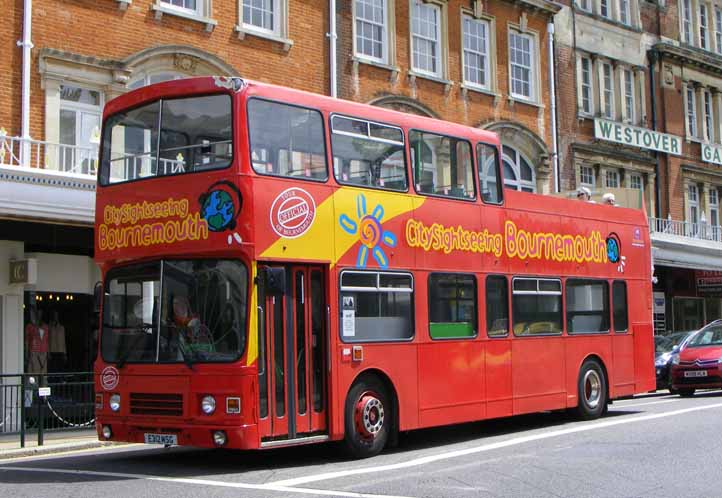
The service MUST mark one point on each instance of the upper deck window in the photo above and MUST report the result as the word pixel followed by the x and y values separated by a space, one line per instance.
pixel 195 135
pixel 441 165
pixel 286 140
pixel 368 154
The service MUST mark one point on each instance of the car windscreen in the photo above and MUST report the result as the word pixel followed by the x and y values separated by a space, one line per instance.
pixel 167 137
pixel 709 336
pixel 191 311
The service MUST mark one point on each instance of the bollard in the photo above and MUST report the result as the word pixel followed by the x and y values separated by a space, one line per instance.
pixel 22 411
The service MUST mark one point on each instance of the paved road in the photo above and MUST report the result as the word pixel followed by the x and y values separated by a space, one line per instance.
pixel 649 446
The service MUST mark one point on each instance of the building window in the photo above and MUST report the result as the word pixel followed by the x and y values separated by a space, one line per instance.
pixel 452 306
pixel 587 94
pixel 624 12
pixel 371 29
pixel 587 306
pixel 635 181
pixel 376 307
pixel 79 127
pixel 426 39
pixel 629 95
pixel 522 63
pixel 691 112
pixel 193 7
pixel 476 52
pixel 718 29
pixel 586 176
pixel 708 116
pixel 608 89
pixel 585 5
pixel 687 21
pixel 604 8
pixel 151 78
pixel 497 306
pixel 518 172
pixel 536 306
pixel 714 210
pixel 261 15
pixel 612 178
pixel 703 38
pixel 693 201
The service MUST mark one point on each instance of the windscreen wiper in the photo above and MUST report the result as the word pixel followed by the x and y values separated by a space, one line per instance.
pixel 147 328
pixel 187 357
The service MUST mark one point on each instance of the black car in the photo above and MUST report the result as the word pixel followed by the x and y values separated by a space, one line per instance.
pixel 663 350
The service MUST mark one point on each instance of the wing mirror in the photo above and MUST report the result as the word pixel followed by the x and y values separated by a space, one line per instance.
pixel 676 349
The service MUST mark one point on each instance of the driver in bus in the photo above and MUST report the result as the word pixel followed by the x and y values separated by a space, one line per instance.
pixel 192 336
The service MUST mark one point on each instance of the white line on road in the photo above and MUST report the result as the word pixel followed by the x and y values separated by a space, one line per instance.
pixel 615 405
pixel 487 447
pixel 202 482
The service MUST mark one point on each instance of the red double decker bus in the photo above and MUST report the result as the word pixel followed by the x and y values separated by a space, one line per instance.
pixel 284 268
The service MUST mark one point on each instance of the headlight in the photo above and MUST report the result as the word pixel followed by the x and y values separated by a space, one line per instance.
pixel 114 402
pixel 662 360
pixel 675 359
pixel 208 404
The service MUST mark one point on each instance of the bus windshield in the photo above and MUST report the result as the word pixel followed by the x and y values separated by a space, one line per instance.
pixel 195 135
pixel 191 311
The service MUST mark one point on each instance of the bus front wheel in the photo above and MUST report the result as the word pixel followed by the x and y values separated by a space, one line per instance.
pixel 368 418
pixel 592 391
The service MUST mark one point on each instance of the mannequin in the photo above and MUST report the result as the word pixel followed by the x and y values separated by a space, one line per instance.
pixel 37 343
pixel 58 349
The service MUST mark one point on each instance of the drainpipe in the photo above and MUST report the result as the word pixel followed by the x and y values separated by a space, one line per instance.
pixel 332 45
pixel 27 46
pixel 552 89
pixel 652 56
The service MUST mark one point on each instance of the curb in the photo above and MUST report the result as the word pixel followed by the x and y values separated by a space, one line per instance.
pixel 54 448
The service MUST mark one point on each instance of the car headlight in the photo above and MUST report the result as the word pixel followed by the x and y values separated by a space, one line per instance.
pixel 662 360
pixel 675 359
pixel 114 402
pixel 208 404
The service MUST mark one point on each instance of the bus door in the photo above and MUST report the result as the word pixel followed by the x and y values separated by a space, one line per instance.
pixel 292 352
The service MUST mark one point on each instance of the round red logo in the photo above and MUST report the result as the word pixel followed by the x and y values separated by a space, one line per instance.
pixel 292 213
pixel 109 378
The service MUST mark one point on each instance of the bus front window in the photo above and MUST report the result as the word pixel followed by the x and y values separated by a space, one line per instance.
pixel 195 135
pixel 191 311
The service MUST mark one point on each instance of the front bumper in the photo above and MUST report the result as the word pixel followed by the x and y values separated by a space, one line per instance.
pixel 713 379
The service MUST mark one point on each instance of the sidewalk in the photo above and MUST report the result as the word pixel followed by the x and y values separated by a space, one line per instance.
pixel 54 442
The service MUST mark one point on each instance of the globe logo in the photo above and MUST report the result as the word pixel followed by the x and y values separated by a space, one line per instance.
pixel 218 210
pixel 613 249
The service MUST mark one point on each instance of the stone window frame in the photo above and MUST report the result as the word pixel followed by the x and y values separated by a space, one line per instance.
pixel 280 31
pixel 443 58
pixel 490 21
pixel 535 77
pixel 201 14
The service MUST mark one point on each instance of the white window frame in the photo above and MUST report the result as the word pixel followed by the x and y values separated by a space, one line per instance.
pixel 586 176
pixel 704 40
pixel 625 12
pixel 686 18
pixel 385 34
pixel 587 86
pixel 714 220
pixel 604 5
pixel 611 178
pixel 440 62
pixel 693 205
pixel 629 98
pixel 708 115
pixel 277 10
pixel 79 109
pixel 585 5
pixel 634 178
pixel 691 110
pixel 197 12
pixel 486 55
pixel 533 66
pixel 607 88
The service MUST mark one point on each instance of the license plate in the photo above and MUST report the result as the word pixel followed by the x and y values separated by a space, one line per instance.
pixel 161 439
pixel 696 373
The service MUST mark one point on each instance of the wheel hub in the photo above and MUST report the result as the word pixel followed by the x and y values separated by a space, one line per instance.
pixel 592 389
pixel 369 415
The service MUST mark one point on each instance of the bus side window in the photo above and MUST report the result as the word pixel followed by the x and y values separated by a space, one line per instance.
pixel 489 177
pixel 619 301
pixel 587 306
pixel 497 306
pixel 452 306
pixel 441 165
pixel 536 306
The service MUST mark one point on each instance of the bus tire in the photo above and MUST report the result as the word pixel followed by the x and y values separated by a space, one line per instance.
pixel 591 390
pixel 686 393
pixel 368 416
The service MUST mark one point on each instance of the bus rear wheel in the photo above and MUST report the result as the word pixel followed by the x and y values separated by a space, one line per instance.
pixel 592 391
pixel 368 418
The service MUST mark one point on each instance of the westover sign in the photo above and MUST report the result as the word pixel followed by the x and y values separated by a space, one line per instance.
pixel 637 137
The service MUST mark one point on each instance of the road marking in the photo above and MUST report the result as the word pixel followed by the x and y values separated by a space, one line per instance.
pixel 615 405
pixel 487 447
pixel 203 482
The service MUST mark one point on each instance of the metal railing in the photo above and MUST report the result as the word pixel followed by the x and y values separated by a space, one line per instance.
pixel 29 153
pixel 701 230
pixel 27 406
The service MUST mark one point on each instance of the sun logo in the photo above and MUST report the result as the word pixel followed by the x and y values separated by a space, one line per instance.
pixel 370 233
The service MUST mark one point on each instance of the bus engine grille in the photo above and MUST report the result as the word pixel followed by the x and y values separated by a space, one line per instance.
pixel 162 404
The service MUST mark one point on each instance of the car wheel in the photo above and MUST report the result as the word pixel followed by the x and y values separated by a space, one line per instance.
pixel 686 393
pixel 591 390
pixel 672 390
pixel 368 418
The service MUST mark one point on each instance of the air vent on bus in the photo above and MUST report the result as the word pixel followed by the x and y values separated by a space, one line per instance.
pixel 162 404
